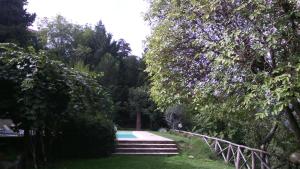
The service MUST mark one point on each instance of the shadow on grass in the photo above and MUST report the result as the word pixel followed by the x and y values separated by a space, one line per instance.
pixel 141 162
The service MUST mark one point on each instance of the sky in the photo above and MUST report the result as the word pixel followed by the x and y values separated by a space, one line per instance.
pixel 122 18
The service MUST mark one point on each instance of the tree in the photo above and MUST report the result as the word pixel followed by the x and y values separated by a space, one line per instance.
pixel 144 109
pixel 227 58
pixel 101 44
pixel 72 43
pixel 58 37
pixel 109 66
pixel 14 22
pixel 124 48
pixel 93 48
pixel 177 117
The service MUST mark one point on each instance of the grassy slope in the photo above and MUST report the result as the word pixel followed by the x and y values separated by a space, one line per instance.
pixel 188 146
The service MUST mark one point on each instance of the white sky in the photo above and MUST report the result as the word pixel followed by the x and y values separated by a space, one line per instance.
pixel 122 18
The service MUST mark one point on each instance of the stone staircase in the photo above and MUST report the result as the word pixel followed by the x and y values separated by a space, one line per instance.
pixel 146 147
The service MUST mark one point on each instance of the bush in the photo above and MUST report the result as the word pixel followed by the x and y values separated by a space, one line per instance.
pixel 85 137
pixel 178 114
pixel 47 97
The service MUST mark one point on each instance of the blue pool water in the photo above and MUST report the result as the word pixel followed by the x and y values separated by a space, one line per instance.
pixel 125 134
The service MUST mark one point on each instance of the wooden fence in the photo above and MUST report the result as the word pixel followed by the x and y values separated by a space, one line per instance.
pixel 241 156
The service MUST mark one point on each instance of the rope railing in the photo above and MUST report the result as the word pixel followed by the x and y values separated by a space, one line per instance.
pixel 241 156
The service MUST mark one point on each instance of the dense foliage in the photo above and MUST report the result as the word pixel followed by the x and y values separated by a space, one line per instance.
pixel 96 50
pixel 44 96
pixel 232 62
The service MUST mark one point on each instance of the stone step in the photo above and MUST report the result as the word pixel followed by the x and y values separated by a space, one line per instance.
pixel 126 145
pixel 145 142
pixel 146 153
pixel 146 150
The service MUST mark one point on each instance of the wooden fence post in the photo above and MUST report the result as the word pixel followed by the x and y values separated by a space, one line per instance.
pixel 216 146
pixel 262 160
pixel 252 160
pixel 237 163
pixel 228 154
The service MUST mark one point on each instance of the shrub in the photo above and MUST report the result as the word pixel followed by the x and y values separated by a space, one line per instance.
pixel 84 137
pixel 48 97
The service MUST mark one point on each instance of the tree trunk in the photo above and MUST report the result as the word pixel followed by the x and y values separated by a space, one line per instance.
pixel 26 150
pixel 269 137
pixel 32 143
pixel 296 107
pixel 43 157
pixel 138 121
pixel 293 123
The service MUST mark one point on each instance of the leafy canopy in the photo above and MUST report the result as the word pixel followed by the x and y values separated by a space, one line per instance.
pixel 44 93
pixel 231 61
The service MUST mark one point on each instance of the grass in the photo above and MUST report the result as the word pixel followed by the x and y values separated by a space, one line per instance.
pixel 190 146
pixel 194 155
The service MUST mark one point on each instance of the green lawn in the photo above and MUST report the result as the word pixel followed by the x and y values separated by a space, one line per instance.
pixel 202 159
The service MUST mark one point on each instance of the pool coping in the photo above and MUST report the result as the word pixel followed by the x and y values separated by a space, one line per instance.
pixel 143 136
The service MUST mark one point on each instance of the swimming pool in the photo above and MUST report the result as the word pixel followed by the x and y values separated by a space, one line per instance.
pixel 125 134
